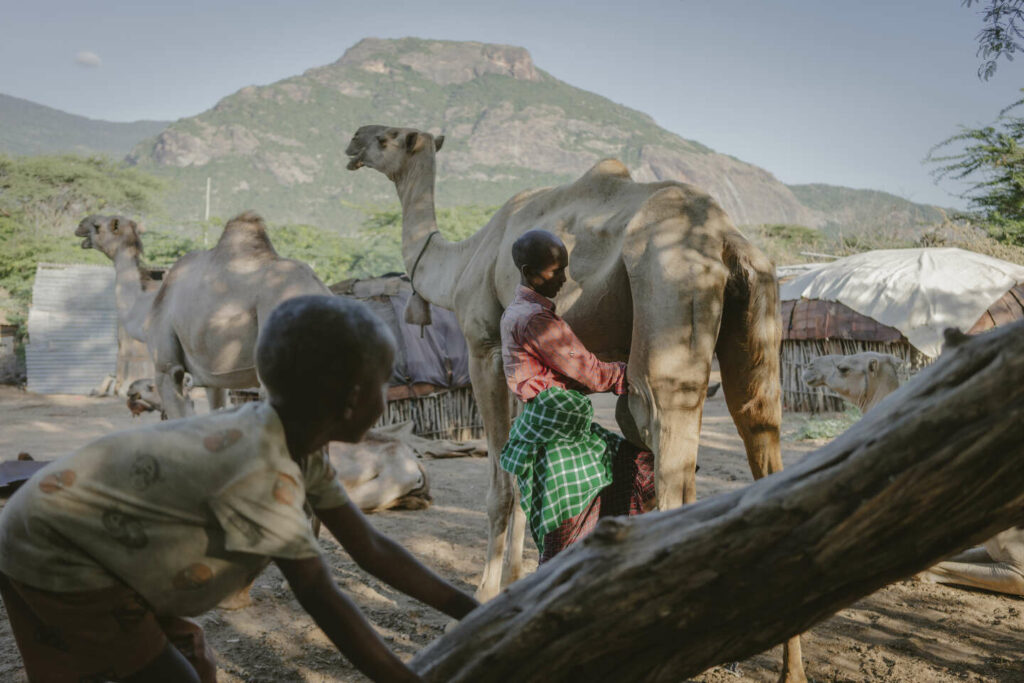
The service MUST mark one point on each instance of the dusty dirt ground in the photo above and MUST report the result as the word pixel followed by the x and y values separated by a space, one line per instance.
pixel 907 632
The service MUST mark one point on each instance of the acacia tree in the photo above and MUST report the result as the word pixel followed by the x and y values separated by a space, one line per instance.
pixel 1002 34
pixel 991 159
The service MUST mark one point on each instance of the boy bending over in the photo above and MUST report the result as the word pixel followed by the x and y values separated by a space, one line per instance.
pixel 106 552
pixel 570 470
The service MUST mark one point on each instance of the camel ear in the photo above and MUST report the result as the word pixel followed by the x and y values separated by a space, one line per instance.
pixel 114 225
pixel 873 365
pixel 438 143
pixel 413 142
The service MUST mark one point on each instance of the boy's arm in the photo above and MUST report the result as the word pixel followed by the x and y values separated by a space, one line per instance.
pixel 342 621
pixel 391 563
pixel 554 343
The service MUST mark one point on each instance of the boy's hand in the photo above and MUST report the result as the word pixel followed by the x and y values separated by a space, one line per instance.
pixel 342 621
pixel 390 562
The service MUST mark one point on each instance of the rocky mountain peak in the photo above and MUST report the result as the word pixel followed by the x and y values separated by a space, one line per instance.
pixel 444 62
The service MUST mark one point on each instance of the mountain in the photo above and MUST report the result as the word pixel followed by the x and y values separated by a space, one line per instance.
pixel 865 209
pixel 30 128
pixel 509 125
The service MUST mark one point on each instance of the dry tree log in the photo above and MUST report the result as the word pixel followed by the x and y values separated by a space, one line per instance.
pixel 936 467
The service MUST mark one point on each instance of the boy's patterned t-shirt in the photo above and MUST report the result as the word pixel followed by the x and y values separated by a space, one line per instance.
pixel 185 512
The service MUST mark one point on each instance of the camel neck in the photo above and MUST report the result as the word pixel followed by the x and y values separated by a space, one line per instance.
pixel 440 263
pixel 129 294
pixel 875 392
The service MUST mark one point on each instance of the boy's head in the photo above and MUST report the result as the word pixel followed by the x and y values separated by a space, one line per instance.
pixel 328 358
pixel 541 259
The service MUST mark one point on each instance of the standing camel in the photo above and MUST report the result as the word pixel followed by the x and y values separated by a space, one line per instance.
pixel 659 277
pixel 204 319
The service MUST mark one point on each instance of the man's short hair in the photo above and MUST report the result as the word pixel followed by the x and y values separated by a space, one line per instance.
pixel 319 345
pixel 534 248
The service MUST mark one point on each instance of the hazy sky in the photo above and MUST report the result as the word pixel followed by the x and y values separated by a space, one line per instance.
pixel 848 92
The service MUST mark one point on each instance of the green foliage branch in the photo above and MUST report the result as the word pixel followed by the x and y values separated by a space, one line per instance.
pixel 1002 33
pixel 991 159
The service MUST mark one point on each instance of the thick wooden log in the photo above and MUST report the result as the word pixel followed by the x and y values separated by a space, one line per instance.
pixel 937 466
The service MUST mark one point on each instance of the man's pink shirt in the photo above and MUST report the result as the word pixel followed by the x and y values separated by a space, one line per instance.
pixel 540 351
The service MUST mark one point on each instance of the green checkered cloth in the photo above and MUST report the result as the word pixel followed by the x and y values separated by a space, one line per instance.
pixel 560 458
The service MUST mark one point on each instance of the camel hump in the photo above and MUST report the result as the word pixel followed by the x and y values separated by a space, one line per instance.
pixel 246 228
pixel 608 168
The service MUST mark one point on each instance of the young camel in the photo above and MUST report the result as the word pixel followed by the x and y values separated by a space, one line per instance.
pixel 659 277
pixel 203 320
pixel 864 379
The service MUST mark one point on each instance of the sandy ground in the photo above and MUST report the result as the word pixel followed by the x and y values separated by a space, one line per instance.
pixel 907 632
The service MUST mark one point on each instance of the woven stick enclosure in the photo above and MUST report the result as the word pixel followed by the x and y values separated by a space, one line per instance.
pixel 797 353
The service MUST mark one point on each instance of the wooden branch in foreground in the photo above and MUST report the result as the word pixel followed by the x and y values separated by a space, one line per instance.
pixel 935 467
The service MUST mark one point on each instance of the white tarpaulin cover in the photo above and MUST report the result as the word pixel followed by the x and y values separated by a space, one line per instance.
pixel 920 292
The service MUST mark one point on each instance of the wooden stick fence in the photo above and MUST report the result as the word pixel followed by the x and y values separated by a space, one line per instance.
pixel 446 414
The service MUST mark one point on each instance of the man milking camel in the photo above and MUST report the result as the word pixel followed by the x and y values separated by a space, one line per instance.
pixel 570 471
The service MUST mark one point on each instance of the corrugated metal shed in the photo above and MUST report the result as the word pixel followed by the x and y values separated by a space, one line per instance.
pixel 72 328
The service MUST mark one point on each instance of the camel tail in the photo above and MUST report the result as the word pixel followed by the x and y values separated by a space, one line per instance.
pixel 751 334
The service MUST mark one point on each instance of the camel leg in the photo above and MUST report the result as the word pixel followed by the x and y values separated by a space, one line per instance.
pixel 170 384
pixel 492 398
pixel 748 358
pixel 669 365
pixel 216 397
pixel 512 569
pixel 998 577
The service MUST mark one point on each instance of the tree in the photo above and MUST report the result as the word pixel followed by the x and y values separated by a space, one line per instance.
pixel 663 596
pixel 1004 20
pixel 992 159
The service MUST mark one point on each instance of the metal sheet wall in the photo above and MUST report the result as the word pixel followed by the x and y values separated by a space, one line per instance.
pixel 72 328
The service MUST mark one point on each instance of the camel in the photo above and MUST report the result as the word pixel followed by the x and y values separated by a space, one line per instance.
pixel 863 379
pixel 119 239
pixel 381 472
pixel 204 319
pixel 658 276
pixel 866 378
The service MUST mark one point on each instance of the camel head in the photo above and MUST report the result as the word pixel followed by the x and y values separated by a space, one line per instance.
pixel 861 378
pixel 143 397
pixel 389 150
pixel 108 234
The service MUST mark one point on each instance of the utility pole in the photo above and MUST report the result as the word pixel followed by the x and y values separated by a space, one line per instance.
pixel 206 215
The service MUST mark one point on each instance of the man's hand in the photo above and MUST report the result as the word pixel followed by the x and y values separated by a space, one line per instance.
pixel 391 563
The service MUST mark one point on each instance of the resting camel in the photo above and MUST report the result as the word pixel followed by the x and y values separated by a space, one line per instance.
pixel 864 379
pixel 204 318
pixel 658 276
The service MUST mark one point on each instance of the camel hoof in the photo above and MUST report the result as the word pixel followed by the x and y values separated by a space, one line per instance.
pixel 239 600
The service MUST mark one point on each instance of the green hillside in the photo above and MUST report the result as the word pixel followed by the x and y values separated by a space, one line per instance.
pixel 866 209
pixel 27 128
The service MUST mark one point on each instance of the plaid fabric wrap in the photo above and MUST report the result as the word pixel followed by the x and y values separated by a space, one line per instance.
pixel 561 460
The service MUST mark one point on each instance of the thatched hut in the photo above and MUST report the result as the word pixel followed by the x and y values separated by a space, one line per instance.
pixel 430 384
pixel 894 301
